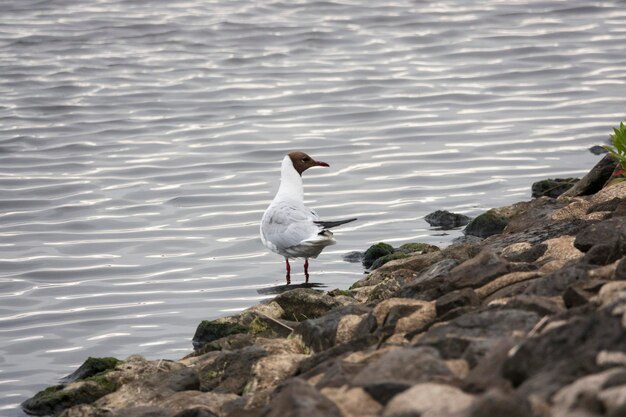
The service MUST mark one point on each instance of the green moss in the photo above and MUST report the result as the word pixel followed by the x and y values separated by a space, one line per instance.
pixel 210 330
pixel 257 326
pixel 391 257
pixel 212 374
pixel 487 224
pixel 355 286
pixel 418 247
pixel 337 292
pixel 376 251
pixel 103 382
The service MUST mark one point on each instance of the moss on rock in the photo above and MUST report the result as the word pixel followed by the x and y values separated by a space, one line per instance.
pixel 418 247
pixel 487 224
pixel 210 330
pixel 53 400
pixel 376 251
pixel 384 259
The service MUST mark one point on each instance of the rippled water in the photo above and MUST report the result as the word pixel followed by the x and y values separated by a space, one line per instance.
pixel 140 143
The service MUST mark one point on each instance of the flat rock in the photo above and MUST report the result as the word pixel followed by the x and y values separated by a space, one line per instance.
pixel 305 303
pixel 479 270
pixel 428 400
pixel 404 366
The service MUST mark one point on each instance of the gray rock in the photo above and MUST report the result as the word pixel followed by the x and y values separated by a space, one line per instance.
pixel 91 367
pixel 544 364
pixel 230 371
pixel 472 335
pixel 431 283
pixel 446 220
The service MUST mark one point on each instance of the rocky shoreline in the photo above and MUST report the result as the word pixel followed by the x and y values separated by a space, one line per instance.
pixel 525 318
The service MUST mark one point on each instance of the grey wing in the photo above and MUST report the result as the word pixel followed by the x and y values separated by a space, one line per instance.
pixel 287 225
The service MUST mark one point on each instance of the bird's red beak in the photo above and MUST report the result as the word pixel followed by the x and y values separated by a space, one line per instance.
pixel 321 164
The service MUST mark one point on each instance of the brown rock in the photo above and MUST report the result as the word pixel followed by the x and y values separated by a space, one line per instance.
pixel 428 400
pixel 297 398
pixel 594 180
pixel 353 402
pixel 505 281
pixel 454 299
pixel 479 270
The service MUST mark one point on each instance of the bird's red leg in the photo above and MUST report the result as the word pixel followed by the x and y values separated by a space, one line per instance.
pixel 306 269
pixel 288 277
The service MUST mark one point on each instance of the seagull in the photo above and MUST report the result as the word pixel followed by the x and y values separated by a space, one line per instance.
pixel 288 227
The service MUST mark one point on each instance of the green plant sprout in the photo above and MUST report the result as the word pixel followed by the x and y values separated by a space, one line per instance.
pixel 618 139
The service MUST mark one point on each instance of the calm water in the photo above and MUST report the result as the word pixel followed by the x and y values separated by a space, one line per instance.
pixel 140 143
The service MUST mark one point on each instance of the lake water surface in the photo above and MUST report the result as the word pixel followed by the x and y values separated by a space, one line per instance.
pixel 140 142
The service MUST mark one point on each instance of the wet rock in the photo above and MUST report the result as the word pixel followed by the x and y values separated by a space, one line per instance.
pixel 595 179
pixel 211 330
pixel 304 303
pixel 487 224
pixel 454 299
pixel 598 150
pixel 446 220
pixel 55 399
pixel 428 400
pixel 91 367
pixel 479 270
pixel 472 335
pixel 620 270
pixel 297 398
pixel 321 333
pixel 353 257
pixel 376 251
pixel 404 366
pixel 544 364
pixel 553 187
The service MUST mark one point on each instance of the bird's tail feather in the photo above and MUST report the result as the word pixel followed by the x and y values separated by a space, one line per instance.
pixel 332 223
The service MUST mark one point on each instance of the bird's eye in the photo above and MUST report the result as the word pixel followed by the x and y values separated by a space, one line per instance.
pixel 306 159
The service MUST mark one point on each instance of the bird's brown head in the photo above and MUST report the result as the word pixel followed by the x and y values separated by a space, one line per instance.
pixel 301 162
